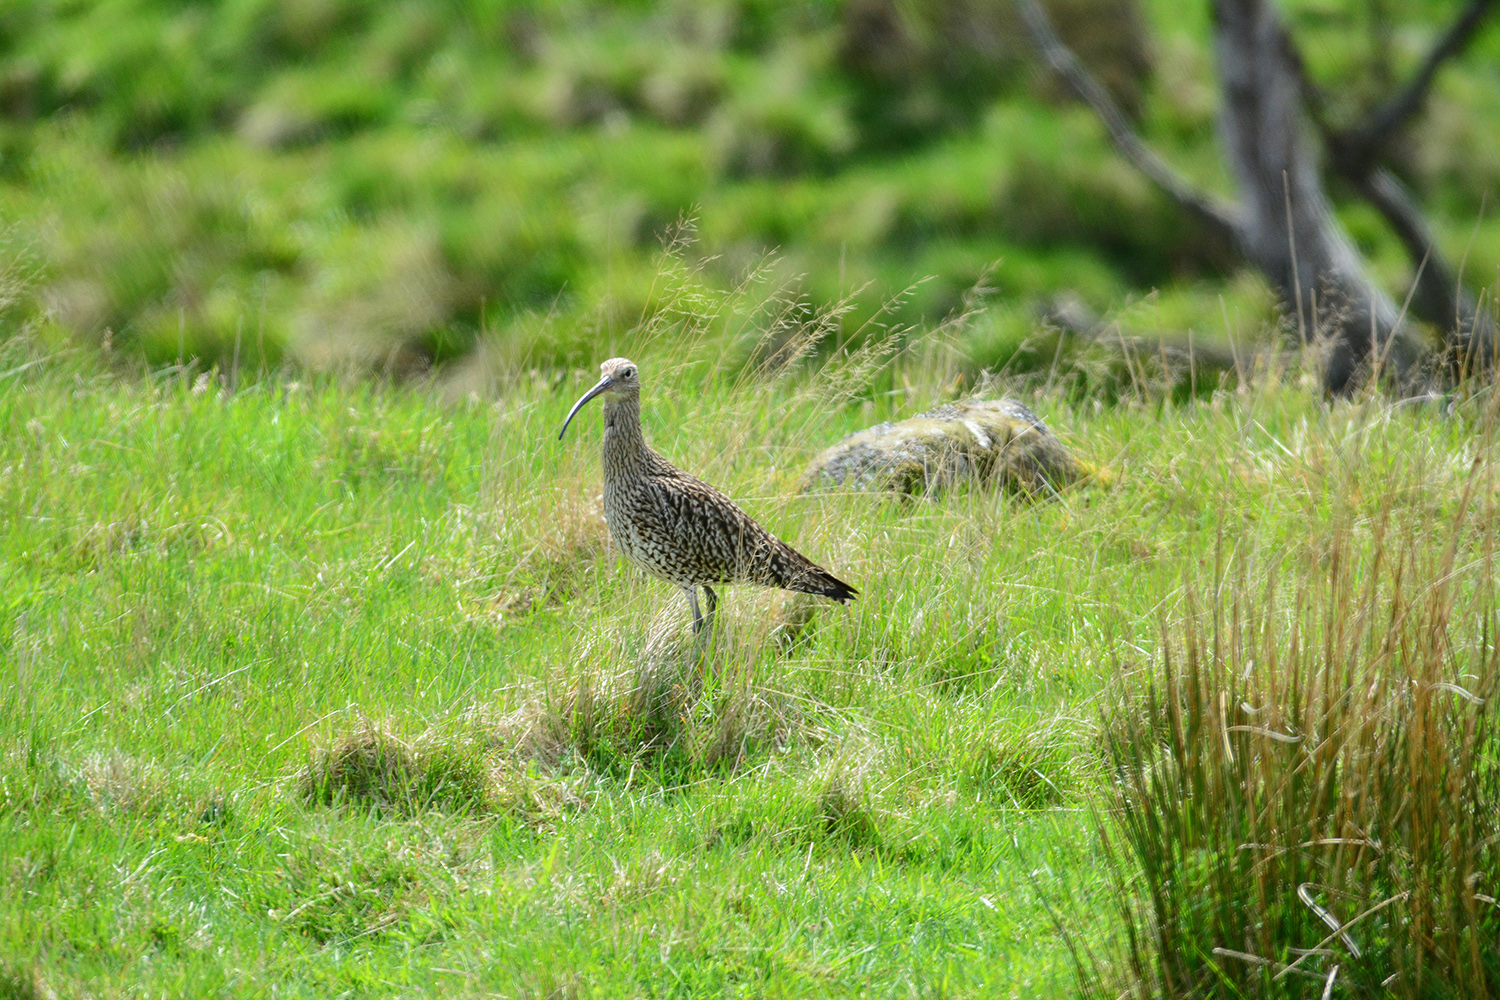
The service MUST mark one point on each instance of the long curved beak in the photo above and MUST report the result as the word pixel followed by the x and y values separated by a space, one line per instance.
pixel 604 383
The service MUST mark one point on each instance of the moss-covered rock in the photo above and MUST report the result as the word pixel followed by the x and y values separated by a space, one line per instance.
pixel 989 441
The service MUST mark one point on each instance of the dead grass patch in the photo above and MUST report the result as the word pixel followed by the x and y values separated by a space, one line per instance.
pixel 118 782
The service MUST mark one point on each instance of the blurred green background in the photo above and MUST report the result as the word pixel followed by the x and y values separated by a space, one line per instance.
pixel 387 185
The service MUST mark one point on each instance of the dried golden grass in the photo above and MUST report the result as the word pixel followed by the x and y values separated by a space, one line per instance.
pixel 676 705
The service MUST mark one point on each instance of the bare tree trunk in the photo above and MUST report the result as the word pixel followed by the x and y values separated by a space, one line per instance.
pixel 1283 223
pixel 1355 153
pixel 1286 226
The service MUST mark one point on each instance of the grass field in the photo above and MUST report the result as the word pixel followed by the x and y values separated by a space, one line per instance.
pixel 323 688
pixel 319 684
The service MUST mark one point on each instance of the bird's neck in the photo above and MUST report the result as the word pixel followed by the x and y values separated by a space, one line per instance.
pixel 624 445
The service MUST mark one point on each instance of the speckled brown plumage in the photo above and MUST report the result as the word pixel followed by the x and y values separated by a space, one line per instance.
pixel 679 528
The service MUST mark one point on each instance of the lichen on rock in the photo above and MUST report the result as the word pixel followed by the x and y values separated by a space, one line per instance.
pixel 989 441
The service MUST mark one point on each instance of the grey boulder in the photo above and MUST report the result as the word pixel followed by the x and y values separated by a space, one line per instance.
pixel 988 441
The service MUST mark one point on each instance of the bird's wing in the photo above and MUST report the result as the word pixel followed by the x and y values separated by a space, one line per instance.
pixel 703 526
pixel 729 545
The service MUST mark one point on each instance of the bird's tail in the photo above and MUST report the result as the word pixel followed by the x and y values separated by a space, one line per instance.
pixel 791 570
pixel 828 585
pixel 818 580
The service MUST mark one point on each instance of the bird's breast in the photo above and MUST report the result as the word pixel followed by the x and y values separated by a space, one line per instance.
pixel 636 525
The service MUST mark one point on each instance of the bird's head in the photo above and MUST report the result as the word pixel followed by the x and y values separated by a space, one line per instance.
pixel 620 377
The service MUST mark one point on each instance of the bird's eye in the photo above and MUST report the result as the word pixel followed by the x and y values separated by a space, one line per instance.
pixel 629 373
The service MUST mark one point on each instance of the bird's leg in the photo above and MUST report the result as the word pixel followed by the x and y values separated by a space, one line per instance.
pixel 692 596
pixel 705 630
pixel 713 603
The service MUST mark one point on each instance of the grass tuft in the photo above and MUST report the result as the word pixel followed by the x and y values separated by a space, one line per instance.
pixel 844 809
pixel 22 984
pixel 1029 769
pixel 671 711
pixel 553 565
pixel 118 781
pixel 372 767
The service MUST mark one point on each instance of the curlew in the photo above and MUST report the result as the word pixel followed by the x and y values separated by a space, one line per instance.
pixel 679 528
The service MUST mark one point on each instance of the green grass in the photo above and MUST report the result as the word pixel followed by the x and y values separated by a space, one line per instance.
pixel 315 686
pixel 350 183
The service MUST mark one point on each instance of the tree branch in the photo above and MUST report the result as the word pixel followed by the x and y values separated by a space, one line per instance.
pixel 1282 223
pixel 1434 298
pixel 1469 333
pixel 1219 217
pixel 1354 155
pixel 1362 142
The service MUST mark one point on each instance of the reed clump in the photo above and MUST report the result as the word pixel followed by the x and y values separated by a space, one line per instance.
pixel 1306 798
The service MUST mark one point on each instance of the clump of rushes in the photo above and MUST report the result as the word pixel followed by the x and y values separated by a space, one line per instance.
pixel 1307 801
